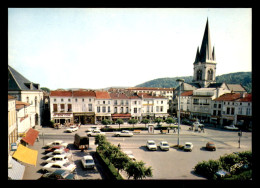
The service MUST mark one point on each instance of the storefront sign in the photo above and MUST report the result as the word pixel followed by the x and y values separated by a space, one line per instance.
pixel 13 147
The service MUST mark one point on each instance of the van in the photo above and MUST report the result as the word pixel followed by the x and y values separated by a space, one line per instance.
pixel 81 141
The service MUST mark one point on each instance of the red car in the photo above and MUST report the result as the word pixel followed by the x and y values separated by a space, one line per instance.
pixel 56 147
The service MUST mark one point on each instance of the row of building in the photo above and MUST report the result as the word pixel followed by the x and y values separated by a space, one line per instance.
pixel 91 107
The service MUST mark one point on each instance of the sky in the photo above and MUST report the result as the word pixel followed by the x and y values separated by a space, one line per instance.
pixel 107 47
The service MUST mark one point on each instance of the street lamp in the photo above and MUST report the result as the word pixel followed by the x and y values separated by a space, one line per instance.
pixel 180 81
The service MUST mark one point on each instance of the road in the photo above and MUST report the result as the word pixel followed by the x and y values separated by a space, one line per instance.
pixel 172 164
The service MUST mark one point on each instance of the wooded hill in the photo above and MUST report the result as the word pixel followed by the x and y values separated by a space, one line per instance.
pixel 244 78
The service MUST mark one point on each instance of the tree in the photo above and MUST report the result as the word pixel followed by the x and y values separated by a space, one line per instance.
pixel 145 121
pixel 158 121
pixel 170 120
pixel 45 89
pixel 132 121
pixel 106 122
pixel 119 160
pixel 119 122
pixel 137 170
pixel 100 139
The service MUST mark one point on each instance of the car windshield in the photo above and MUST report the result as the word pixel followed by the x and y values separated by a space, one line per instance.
pixel 89 161
pixel 188 145
pixel 211 144
pixel 165 144
pixel 151 143
pixel 66 164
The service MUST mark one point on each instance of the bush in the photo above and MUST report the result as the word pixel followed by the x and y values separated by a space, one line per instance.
pixel 246 175
pixel 229 160
pixel 207 168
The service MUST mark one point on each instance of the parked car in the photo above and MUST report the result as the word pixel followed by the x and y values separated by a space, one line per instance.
pixel 58 175
pixel 211 146
pixel 222 173
pixel 231 127
pixel 59 165
pixel 150 144
pixel 87 161
pixel 56 143
pixel 188 146
pixel 197 125
pixel 59 152
pixel 164 145
pixel 72 128
pixel 124 133
pixel 130 154
pixel 57 158
pixel 56 147
pixel 92 128
pixel 95 133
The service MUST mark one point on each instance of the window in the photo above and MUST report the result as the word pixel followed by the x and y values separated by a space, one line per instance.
pixel 122 102
pixel 161 102
pixel 215 105
pixel 219 105
pixel 108 109
pixel 127 110
pixel 53 100
pixel 214 112
pixel 27 99
pixel 122 110
pixel 135 110
pixel 161 108
pixel 103 109
pixel 54 107
pixel 219 112
pixel 69 108
pixel 126 102
pixel 89 100
pixel 157 108
pixel 69 100
pixel 90 107
pixel 82 100
pixel 76 100
pixel 98 109
pixel 62 108
pixel 199 75
pixel 195 101
pixel 61 99
pixel 232 111
pixel 115 102
pixel 115 109
pixel 228 110
pixel 104 102
pixel 210 74
pixel 148 109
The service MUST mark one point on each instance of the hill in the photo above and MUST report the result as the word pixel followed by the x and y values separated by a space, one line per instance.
pixel 245 78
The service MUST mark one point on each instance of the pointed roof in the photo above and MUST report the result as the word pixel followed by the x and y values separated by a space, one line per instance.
pixel 17 82
pixel 205 49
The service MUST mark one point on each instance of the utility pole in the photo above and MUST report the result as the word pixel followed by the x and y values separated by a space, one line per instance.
pixel 180 81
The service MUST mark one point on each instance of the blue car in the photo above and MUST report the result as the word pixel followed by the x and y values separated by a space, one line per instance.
pixel 58 175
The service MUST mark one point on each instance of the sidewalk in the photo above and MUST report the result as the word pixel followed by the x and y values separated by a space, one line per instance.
pixel 184 130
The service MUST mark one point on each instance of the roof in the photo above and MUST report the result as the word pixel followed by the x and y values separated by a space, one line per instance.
pixel 59 93
pixel 20 104
pixel 187 93
pixel 228 97
pixel 17 82
pixel 81 93
pixel 149 96
pixel 118 96
pixel 151 88
pixel 102 95
pixel 247 98
pixel 236 87
pixel 31 136
pixel 215 85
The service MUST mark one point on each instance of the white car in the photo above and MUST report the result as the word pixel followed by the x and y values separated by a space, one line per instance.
pixel 231 127
pixel 150 144
pixel 72 128
pixel 129 154
pixel 59 165
pixel 59 152
pixel 95 133
pixel 188 146
pixel 164 145
pixel 123 133
pixel 57 158
pixel 87 161
pixel 57 143
pixel 92 128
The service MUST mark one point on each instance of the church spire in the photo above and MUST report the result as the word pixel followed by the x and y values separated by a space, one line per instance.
pixel 205 50
pixel 197 58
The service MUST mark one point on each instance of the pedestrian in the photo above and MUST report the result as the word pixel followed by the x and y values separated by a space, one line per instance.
pixel 119 146
pixel 168 129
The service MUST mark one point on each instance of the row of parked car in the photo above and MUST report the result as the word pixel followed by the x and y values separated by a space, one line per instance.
pixel 163 145
pixel 58 163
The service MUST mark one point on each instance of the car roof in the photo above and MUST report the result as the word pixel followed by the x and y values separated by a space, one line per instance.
pixel 87 157
pixel 188 143
pixel 150 141
pixel 164 142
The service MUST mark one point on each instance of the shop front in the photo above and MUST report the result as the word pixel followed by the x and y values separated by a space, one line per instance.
pixel 84 118
pixel 124 117
pixel 63 118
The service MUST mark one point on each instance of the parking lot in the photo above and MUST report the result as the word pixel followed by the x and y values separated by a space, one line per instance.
pixel 172 164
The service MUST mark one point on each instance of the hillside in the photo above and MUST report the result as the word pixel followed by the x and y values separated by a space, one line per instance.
pixel 245 78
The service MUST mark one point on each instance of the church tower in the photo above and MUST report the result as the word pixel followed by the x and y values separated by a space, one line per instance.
pixel 204 71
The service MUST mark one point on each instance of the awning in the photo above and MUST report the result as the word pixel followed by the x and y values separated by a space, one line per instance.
pixel 16 171
pixel 121 115
pixel 26 155
pixel 30 136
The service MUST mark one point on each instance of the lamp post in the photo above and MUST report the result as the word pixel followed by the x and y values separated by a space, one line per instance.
pixel 180 81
